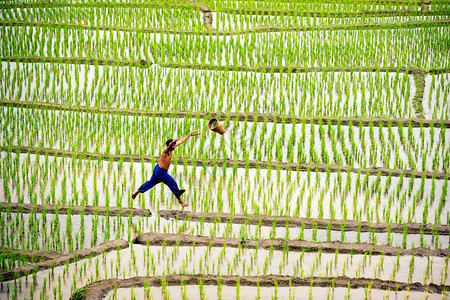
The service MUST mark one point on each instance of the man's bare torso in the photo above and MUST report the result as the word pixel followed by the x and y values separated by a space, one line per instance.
pixel 165 160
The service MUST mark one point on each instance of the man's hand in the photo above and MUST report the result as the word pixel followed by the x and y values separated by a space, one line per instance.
pixel 194 132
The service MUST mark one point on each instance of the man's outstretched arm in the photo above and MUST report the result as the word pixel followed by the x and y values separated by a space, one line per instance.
pixel 182 140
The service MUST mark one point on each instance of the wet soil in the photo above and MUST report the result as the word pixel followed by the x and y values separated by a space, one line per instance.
pixel 78 60
pixel 207 21
pixel 74 256
pixel 98 290
pixel 49 4
pixel 419 81
pixel 268 69
pixel 308 223
pixel 279 244
pixel 74 210
pixel 390 2
pixel 30 255
pixel 253 117
pixel 379 13
pixel 226 163
pixel 283 69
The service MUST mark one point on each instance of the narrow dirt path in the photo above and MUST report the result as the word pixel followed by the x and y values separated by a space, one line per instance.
pixel 74 210
pixel 78 61
pixel 30 254
pixel 207 20
pixel 101 4
pixel 251 117
pixel 268 69
pixel 284 69
pixel 98 290
pixel 227 163
pixel 74 256
pixel 419 80
pixel 308 223
pixel 158 239
pixel 330 14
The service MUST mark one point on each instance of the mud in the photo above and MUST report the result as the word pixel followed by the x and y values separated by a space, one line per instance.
pixel 226 163
pixel 74 210
pixel 268 69
pixel 390 2
pixel 253 117
pixel 279 244
pixel 419 81
pixel 308 223
pixel 99 27
pixel 207 21
pixel 50 4
pixel 78 60
pixel 379 13
pixel 207 15
pixel 283 69
pixel 367 26
pixel 74 256
pixel 98 290
pixel 30 255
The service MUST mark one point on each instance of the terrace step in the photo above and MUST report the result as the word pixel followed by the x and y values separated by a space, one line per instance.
pixel 251 117
pixel 98 290
pixel 168 239
pixel 308 223
pixel 30 254
pixel 210 30
pixel 74 210
pixel 74 256
pixel 261 69
pixel 224 163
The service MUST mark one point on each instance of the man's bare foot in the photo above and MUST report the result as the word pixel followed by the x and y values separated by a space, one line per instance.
pixel 134 194
pixel 182 202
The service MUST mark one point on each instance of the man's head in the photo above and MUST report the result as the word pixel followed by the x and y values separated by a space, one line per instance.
pixel 168 142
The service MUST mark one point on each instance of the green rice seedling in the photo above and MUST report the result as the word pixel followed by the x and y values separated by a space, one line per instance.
pixel 405 235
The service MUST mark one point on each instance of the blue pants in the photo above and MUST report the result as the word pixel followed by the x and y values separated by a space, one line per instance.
pixel 160 175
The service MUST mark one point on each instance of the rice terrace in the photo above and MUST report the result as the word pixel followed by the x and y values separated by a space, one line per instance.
pixel 308 143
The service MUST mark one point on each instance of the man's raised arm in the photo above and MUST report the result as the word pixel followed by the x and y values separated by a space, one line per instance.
pixel 182 140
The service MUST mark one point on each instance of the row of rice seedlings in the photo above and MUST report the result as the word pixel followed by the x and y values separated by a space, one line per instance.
pixel 63 233
pixel 271 192
pixel 319 6
pixel 228 21
pixel 312 94
pixel 189 19
pixel 60 282
pixel 258 232
pixel 162 260
pixel 13 260
pixel 355 145
pixel 436 94
pixel 128 17
pixel 203 291
pixel 162 3
pixel 314 49
pixel 399 191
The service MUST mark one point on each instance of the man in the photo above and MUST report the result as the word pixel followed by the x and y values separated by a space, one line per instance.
pixel 160 171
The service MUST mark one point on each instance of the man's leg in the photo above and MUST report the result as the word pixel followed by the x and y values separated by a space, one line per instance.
pixel 172 184
pixel 146 186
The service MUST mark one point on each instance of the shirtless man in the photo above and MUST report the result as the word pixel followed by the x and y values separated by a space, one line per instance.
pixel 160 171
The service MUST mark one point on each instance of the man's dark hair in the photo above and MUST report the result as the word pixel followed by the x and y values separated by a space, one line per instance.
pixel 168 142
